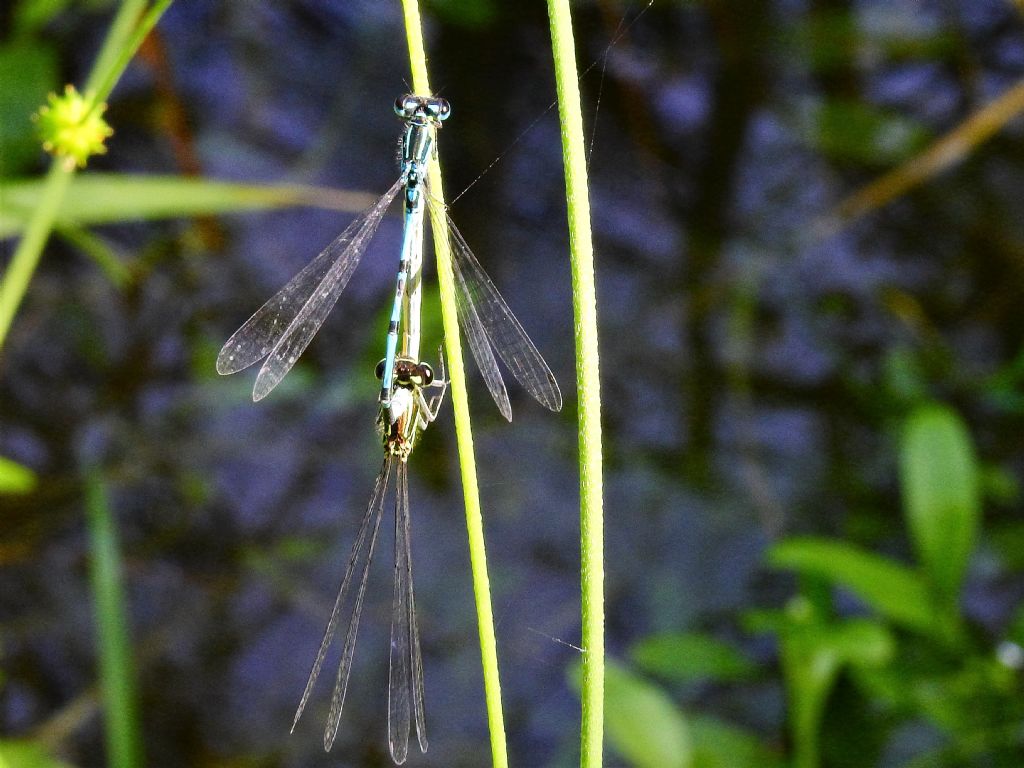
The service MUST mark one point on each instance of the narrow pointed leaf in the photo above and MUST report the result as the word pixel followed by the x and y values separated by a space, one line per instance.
pixel 104 198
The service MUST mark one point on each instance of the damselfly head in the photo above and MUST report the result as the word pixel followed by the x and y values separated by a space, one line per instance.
pixel 409 373
pixel 422 108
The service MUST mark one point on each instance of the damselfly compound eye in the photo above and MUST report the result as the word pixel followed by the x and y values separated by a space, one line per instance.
pixel 379 370
pixel 427 374
pixel 406 105
pixel 439 109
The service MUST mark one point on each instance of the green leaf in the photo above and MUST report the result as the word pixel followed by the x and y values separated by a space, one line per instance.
pixel 14 478
pixel 833 39
pixel 117 679
pixel 1007 540
pixel 21 753
pixel 853 130
pixel 30 17
pixel 643 724
pixel 890 588
pixel 861 642
pixel 686 657
pixel 941 496
pixel 813 654
pixel 28 71
pixel 717 744
pixel 96 198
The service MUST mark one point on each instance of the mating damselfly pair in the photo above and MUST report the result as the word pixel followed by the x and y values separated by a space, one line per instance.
pixel 409 400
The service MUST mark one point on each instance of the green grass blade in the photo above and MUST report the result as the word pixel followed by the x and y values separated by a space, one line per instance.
pixel 463 427
pixel 124 748
pixel 588 387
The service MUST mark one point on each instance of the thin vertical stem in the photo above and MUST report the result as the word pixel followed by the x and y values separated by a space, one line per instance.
pixel 587 383
pixel 124 748
pixel 463 427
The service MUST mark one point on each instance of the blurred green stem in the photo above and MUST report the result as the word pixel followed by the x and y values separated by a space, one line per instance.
pixel 125 51
pixel 115 41
pixel 588 386
pixel 124 749
pixel 123 40
pixel 30 247
pixel 463 427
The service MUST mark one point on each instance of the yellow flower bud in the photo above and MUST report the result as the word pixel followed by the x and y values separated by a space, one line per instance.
pixel 72 127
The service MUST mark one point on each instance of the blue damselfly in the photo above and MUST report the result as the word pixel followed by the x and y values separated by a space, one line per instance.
pixel 409 400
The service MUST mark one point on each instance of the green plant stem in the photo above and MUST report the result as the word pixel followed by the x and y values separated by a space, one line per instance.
pixel 123 40
pixel 117 36
pixel 127 51
pixel 124 748
pixel 463 428
pixel 588 388
pixel 97 250
pixel 26 256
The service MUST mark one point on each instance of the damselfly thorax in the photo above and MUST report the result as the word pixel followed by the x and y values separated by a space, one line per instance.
pixel 409 411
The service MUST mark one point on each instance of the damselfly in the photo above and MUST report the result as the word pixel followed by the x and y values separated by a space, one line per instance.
pixel 283 327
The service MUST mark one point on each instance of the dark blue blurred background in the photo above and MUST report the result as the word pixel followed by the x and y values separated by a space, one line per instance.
pixel 753 371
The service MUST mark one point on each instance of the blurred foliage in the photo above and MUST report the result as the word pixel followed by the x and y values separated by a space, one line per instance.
pixel 465 13
pixel 15 478
pixel 99 198
pixel 852 131
pixel 28 69
pixel 643 725
pixel 116 667
pixel 687 657
pixel 914 661
pixel 27 754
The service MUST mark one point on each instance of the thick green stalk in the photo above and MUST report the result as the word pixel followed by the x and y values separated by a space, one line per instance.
pixel 124 748
pixel 463 428
pixel 587 383
pixel 123 40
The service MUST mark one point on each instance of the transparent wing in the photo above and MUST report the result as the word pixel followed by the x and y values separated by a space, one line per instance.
pixel 362 548
pixel 309 295
pixel 476 292
pixel 345 666
pixel 480 346
pixel 406 661
pixel 399 706
pixel 414 630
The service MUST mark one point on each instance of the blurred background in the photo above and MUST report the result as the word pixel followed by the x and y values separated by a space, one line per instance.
pixel 810 264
